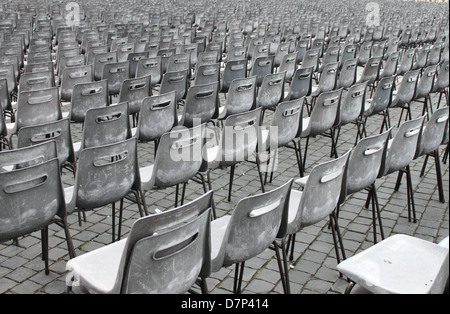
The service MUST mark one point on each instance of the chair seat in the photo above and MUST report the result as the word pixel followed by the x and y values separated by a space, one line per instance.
pixel 399 264
pixel 100 279
pixel 294 201
pixel 146 174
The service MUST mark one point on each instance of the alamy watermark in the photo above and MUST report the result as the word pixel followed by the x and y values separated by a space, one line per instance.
pixel 72 14
pixel 373 14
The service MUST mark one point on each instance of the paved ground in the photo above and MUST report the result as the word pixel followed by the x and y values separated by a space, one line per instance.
pixel 313 270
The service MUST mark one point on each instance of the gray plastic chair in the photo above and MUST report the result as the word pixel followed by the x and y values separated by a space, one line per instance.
pixel 364 164
pixel 389 68
pixel 432 138
pixel 364 53
pixel 442 82
pixel 406 61
pixel 58 131
pixel 36 81
pixel 201 106
pixel 416 266
pixel 371 71
pixel 236 143
pixel 248 231
pixel 400 153
pixel 175 81
pixel 241 97
pixel 347 73
pixel 150 66
pixel 35 107
pixel 234 69
pixel 323 118
pixel 115 168
pixel 116 73
pixel 327 80
pixel 100 60
pixel 206 74
pixel 315 202
pixel 311 59
pixel 133 91
pixel 148 260
pixel 86 96
pixel 271 91
pixel 262 66
pixel 348 52
pixel 177 160
pixel 380 102
pixel 421 57
pixel 134 58
pixel 7 73
pixel 405 92
pixel 300 85
pixel 6 104
pixel 180 62
pixel 424 87
pixel 72 76
pixel 288 64
pixel 26 213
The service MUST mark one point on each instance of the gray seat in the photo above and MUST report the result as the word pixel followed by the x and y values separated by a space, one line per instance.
pixel 236 143
pixel 36 81
pixel 23 213
pixel 364 164
pixel 308 206
pixel 150 66
pixel 405 92
pixel 6 103
pixel 201 106
pixel 262 66
pixel 241 97
pixel 179 62
pixel 86 96
pixel 4 139
pixel 327 80
pixel 311 59
pixel 288 64
pixel 347 73
pixel 389 68
pixel 442 82
pixel 100 60
pixel 400 153
pixel 406 61
pixel 432 138
pixel 58 131
pixel 371 71
pixel 348 52
pixel 323 118
pixel 115 168
pixel 175 81
pixel 421 57
pixel 364 54
pixel 116 73
pixel 206 74
pixel 417 267
pixel 72 76
pixel 35 107
pixel 65 62
pixel 380 102
pixel 134 91
pixel 301 84
pixel 177 160
pixel 271 91
pixel 234 69
pixel 154 258
pixel 248 231
pixel 424 87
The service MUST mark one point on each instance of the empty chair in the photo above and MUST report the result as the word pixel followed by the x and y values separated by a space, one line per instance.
pixel 424 87
pixel 116 73
pixel 370 71
pixel 364 53
pixel 271 91
pixel 86 96
pixel 177 160
pixel 441 84
pixel 175 81
pixel 301 84
pixel 201 106
pixel 380 101
pixel 434 55
pixel 416 266
pixel 35 107
pixel 262 66
pixel 4 140
pixel 406 61
pixel 179 62
pixel 140 263
pixel 236 143
pixel 134 91
pixel 72 76
pixel 150 66
pixel 241 97
pixel 309 206
pixel 158 115
pixel 234 69
pixel 400 152
pixel 348 52
pixel 432 138
pixel 58 131
pixel 389 68
pixel 99 63
pixel 364 164
pixel 36 81
pixel 6 104
pixel 289 65
pixel 421 57
pixel 206 74
pixel 347 73
pixel 331 56
pixel 32 198
pixel 116 173
pixel 322 119
pixel 311 59
pixel 405 92
pixel 327 80
pixel 248 231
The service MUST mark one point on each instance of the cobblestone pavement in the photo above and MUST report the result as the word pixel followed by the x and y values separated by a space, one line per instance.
pixel 313 270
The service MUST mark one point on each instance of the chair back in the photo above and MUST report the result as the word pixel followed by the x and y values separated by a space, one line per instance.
pixel 27 156
pixel 86 96
pixel 433 132
pixel 72 76
pixel 271 91
pixel 300 84
pixel 352 104
pixel 134 91
pixel 234 69
pixel 201 104
pixel 383 95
